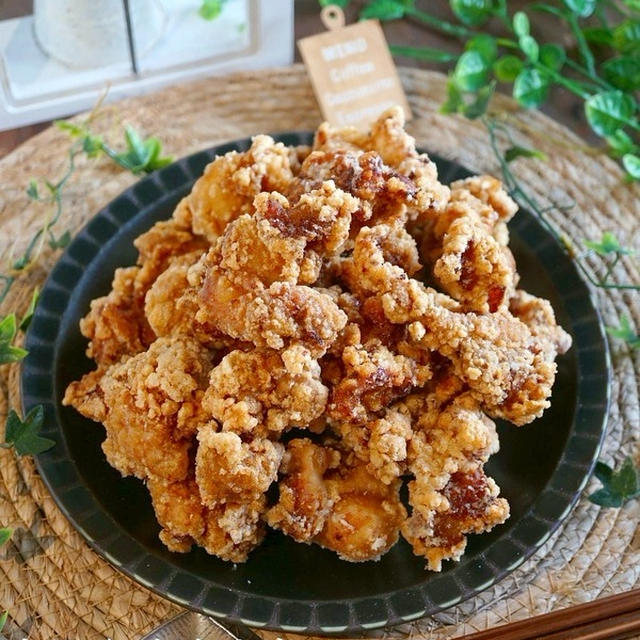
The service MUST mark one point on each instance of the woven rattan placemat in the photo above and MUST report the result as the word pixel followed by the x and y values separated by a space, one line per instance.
pixel 54 586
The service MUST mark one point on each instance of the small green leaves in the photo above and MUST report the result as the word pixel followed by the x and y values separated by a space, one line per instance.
pixel 8 330
pixel 583 8
pixel 609 111
pixel 552 56
pixel 531 88
pixel 479 106
pixel 598 35
pixel 626 36
pixel 472 12
pixel 608 244
pixel 5 534
pixel 384 10
pixel 3 619
pixel 32 190
pixel 211 9
pixel 28 314
pixel 92 145
pixel 472 71
pixel 631 163
pixel 522 152
pixel 625 332
pixel 521 24
pixel 141 155
pixel 23 435
pixel 508 68
pixel 529 47
pixel 340 3
pixel 623 72
pixel 485 45
pixel 73 129
pixel 618 487
pixel 455 100
pixel 61 241
pixel 620 143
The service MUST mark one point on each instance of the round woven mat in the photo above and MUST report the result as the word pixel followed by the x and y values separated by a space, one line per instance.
pixel 51 582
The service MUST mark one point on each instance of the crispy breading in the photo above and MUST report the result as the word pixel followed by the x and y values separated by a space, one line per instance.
pixel 231 182
pixel 293 289
pixel 264 391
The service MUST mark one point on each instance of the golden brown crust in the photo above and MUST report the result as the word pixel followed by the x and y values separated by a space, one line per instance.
pixel 289 292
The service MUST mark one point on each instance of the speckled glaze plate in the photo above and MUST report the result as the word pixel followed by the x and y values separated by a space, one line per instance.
pixel 541 468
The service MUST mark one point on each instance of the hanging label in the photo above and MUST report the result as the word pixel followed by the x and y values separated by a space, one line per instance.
pixel 352 73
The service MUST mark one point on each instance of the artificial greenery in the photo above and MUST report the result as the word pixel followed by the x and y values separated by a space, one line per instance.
pixel 211 9
pixel 602 68
pixel 23 436
pixel 618 487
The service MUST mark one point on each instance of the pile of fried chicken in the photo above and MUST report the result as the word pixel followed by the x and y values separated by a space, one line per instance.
pixel 331 320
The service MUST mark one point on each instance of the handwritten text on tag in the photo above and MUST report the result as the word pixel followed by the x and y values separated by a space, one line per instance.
pixel 352 74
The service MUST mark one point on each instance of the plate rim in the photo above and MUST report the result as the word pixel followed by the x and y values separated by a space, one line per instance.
pixel 361 614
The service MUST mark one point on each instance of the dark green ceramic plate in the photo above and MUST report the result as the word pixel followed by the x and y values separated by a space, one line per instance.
pixel 542 468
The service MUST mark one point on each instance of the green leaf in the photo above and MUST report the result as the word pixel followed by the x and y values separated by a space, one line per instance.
pixel 5 534
pixel 384 10
pixel 623 72
pixel 472 12
pixel 455 101
pixel 211 9
pixel 603 472
pixel 32 189
pixel 26 319
pixel 584 8
pixel 521 24
pixel 552 56
pixel 529 47
pixel 472 71
pixel 531 88
pixel 633 4
pixel 61 241
pixel 522 152
pixel 609 111
pixel 23 435
pixel 485 45
pixel 8 328
pixel 479 106
pixel 141 155
pixel 422 53
pixel 3 620
pixel 618 487
pixel 626 36
pixel 340 3
pixel 625 332
pixel 74 130
pixel 598 35
pixel 608 244
pixel 631 163
pixel 508 68
pixel 621 143
pixel 92 145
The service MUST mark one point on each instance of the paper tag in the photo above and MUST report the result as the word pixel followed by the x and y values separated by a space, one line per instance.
pixel 352 74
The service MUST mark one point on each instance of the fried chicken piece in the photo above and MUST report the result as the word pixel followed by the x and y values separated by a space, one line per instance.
pixel 538 315
pixel 229 531
pixel 116 325
pixel 304 503
pixel 171 305
pixel 490 191
pixel 451 441
pixel 230 470
pixel 471 260
pixel 473 506
pixel 151 408
pixel 158 247
pixel 381 444
pixel 397 150
pixel 264 391
pixel 231 182
pixel 373 377
pixel 347 509
pixel 365 517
